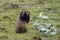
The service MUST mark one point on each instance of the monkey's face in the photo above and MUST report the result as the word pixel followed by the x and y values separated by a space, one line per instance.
pixel 24 16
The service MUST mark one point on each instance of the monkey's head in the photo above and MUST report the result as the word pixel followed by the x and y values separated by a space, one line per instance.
pixel 24 16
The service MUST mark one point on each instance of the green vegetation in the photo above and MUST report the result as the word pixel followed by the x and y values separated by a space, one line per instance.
pixel 8 16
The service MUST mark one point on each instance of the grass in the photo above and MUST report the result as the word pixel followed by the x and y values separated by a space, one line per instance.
pixel 9 16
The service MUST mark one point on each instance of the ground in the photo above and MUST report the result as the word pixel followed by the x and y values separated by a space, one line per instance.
pixel 8 16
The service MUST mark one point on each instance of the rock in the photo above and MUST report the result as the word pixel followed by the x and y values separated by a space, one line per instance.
pixel 14 5
pixel 51 10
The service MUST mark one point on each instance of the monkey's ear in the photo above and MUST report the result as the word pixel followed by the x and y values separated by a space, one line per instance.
pixel 28 13
pixel 21 13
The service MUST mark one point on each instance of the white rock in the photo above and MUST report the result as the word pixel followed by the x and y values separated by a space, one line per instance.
pixel 48 25
pixel 53 33
pixel 53 28
pixel 42 16
pixel 43 29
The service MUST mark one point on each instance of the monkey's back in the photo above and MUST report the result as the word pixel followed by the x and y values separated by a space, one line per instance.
pixel 20 26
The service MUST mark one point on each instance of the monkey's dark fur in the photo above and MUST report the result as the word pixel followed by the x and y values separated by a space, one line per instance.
pixel 21 22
